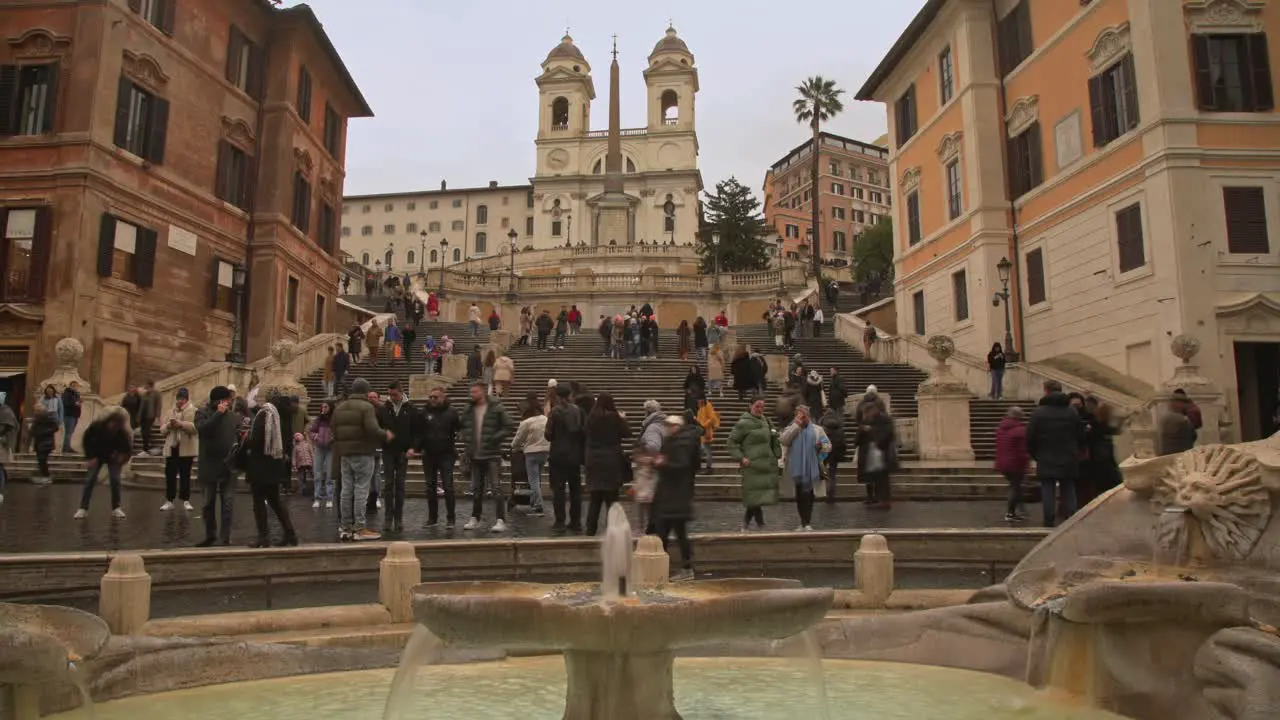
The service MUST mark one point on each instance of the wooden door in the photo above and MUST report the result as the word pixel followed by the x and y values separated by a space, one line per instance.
pixel 113 368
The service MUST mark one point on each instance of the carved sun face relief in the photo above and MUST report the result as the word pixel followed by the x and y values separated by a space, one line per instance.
pixel 1222 488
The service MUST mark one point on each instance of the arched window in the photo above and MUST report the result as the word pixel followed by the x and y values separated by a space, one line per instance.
pixel 412 257
pixel 482 214
pixel 364 259
pixel 670 108
pixel 560 114
pixel 631 166
pixel 669 215
pixel 434 256
pixel 457 255
pixel 387 258
pixel 482 242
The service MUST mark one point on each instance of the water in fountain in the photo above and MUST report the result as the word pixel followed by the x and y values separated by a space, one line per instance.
pixel 615 554
pixel 423 649
pixel 805 652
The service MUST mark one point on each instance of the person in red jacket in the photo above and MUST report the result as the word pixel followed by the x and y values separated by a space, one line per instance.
pixel 1012 459
pixel 722 319
pixel 433 306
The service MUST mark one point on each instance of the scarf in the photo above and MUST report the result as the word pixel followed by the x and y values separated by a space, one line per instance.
pixel 802 457
pixel 272 443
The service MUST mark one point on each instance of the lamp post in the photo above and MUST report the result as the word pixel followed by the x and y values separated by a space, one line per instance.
pixel 568 230
pixel 422 254
pixel 238 280
pixel 377 276
pixel 511 269
pixel 715 254
pixel 444 250
pixel 1005 268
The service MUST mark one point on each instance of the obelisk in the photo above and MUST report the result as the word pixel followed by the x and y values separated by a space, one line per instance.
pixel 614 206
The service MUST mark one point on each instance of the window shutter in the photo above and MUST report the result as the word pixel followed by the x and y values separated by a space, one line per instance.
pixel 41 250
pixel 1026 44
pixel 234 46
pixel 106 244
pixel 158 130
pixel 51 99
pixel 1130 79
pixel 213 283
pixel 164 21
pixel 1246 209
pixel 1035 156
pixel 8 99
pixel 221 180
pixel 1260 66
pixel 1016 163
pixel 1035 277
pixel 123 96
pixel 1129 234
pixel 145 258
pixel 1203 74
pixel 257 74
pixel 1098 109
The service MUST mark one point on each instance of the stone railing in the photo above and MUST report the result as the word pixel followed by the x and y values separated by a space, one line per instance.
pixel 552 257
pixel 792 277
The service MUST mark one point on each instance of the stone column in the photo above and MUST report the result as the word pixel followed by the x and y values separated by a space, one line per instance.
pixel 398 573
pixel 279 379
pixel 944 408
pixel 650 564
pixel 1203 391
pixel 503 339
pixel 455 366
pixel 420 386
pixel 125 598
pixel 777 369
pixel 873 570
pixel 70 352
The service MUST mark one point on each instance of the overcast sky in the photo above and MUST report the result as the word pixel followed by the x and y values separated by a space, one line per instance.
pixel 452 83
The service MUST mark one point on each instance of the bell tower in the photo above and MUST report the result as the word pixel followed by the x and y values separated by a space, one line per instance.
pixel 565 92
pixel 672 81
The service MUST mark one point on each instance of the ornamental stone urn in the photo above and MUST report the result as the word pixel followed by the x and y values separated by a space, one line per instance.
pixel 943 399
pixel 279 379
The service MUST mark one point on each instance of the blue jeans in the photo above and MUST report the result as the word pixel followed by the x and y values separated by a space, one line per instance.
pixel 475 328
pixel 357 475
pixel 997 384
pixel 1049 488
pixel 68 429
pixel 533 466
pixel 322 459
pixel 91 478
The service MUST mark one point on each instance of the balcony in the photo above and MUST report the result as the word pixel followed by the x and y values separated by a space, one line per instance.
pixel 625 132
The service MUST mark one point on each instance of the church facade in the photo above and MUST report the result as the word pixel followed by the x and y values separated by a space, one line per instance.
pixel 657 199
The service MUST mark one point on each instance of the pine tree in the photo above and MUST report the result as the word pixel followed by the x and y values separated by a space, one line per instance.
pixel 734 212
pixel 873 257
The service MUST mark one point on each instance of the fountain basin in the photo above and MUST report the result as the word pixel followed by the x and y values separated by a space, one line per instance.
pixel 533 689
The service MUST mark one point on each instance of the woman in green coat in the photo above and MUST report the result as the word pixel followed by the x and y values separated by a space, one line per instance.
pixel 754 445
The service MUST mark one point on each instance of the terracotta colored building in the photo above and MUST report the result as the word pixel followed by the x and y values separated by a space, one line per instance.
pixel 854 195
pixel 150 149
pixel 1121 154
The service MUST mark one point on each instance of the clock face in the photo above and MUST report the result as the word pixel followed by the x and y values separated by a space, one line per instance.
pixel 557 159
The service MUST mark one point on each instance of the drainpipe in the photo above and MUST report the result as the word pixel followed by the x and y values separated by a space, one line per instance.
pixel 1016 280
pixel 251 230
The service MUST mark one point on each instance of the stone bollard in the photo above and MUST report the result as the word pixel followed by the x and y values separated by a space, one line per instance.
pixel 398 573
pixel 454 367
pixel 125 597
pixel 650 564
pixel 873 570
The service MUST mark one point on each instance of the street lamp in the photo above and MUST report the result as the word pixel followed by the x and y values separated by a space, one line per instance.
pixel 444 250
pixel 238 280
pixel 715 250
pixel 512 269
pixel 568 230
pixel 1005 268
pixel 422 254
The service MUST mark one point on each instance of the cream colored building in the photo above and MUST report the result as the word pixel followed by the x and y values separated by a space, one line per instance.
pixel 660 177
pixel 1122 154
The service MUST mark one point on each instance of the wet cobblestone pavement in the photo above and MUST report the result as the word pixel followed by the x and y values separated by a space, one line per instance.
pixel 39 519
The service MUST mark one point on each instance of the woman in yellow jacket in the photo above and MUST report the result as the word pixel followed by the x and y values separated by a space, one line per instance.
pixel 709 419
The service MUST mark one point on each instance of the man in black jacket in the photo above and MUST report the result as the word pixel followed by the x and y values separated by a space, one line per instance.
pixel 217 426
pixel 1055 436
pixel 107 443
pixel 436 441
pixel 566 431
pixel 399 416
pixel 70 413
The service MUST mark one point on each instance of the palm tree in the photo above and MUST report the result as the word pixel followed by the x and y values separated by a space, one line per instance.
pixel 819 101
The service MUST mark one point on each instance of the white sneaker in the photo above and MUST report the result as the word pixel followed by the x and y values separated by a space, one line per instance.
pixel 1 498
pixel 166 507
pixel 186 505
pixel 808 528
pixel 117 514
pixel 801 528
pixel 80 514
pixel 378 502
pixel 498 527
pixel 328 504
pixel 472 524
pixel 315 505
